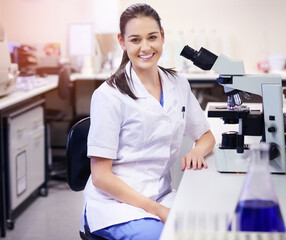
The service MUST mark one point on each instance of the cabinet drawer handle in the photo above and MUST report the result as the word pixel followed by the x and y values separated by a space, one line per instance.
pixel 22 147
pixel 19 130
pixel 39 136
pixel 39 120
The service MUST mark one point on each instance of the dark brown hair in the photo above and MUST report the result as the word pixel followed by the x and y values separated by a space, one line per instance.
pixel 120 79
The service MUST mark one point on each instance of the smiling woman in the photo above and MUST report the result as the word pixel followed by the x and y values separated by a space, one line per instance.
pixel 136 131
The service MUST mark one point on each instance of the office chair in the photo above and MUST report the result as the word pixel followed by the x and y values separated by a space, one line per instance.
pixel 65 92
pixel 78 164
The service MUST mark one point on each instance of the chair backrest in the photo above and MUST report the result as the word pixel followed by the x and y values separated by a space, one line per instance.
pixel 78 164
pixel 65 85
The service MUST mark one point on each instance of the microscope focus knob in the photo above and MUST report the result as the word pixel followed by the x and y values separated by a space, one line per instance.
pixel 272 129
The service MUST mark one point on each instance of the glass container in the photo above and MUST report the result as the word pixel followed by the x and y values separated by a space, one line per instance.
pixel 258 209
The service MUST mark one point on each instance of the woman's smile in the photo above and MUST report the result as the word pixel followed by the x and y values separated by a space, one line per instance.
pixel 147 57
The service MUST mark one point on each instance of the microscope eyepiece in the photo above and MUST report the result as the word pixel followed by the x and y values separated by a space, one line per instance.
pixel 189 53
pixel 203 58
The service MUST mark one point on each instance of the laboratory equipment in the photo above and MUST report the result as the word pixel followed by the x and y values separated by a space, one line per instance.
pixel 7 78
pixel 277 62
pixel 25 57
pixel 267 124
pixel 258 208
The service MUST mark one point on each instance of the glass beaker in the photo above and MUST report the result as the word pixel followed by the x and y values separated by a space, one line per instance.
pixel 258 209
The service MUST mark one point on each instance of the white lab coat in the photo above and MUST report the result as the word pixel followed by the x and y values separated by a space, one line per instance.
pixel 143 138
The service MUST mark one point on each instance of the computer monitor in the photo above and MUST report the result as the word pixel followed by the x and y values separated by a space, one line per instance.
pixel 81 46
pixel 81 39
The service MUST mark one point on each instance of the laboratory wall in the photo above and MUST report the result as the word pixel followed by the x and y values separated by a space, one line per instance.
pixel 43 21
pixel 250 30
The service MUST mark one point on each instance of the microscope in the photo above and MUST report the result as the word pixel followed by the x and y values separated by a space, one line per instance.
pixel 269 123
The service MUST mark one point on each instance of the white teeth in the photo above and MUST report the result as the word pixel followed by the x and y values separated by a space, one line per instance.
pixel 146 56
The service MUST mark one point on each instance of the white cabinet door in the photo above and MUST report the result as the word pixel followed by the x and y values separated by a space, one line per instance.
pixel 26 154
pixel 35 159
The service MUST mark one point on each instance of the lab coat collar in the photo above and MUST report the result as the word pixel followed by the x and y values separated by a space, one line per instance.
pixel 139 89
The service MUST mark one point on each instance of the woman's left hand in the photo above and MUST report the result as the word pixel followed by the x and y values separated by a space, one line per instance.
pixel 194 159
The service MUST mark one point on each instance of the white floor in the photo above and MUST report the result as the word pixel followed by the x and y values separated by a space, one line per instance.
pixel 55 217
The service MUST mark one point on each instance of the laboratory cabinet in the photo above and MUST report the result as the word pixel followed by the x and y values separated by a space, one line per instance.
pixel 26 153
pixel 25 149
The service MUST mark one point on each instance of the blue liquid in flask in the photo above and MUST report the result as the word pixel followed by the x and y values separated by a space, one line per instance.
pixel 259 216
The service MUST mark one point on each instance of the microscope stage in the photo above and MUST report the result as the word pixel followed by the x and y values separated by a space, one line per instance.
pixel 229 161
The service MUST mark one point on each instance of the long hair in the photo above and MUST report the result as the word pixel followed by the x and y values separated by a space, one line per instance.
pixel 120 78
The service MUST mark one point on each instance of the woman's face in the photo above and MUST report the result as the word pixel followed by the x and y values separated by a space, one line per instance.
pixel 143 42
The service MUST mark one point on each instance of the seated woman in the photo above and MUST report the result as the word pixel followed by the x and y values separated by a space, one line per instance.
pixel 138 119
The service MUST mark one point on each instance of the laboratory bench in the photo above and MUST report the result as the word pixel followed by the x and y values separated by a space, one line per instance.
pixel 208 77
pixel 196 77
pixel 206 199
pixel 23 142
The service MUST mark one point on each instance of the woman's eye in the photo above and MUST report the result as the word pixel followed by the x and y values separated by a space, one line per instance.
pixel 153 37
pixel 135 40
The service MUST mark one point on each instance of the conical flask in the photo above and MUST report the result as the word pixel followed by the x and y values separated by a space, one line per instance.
pixel 258 209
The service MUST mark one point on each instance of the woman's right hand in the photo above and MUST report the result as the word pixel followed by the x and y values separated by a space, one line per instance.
pixel 163 212
pixel 104 179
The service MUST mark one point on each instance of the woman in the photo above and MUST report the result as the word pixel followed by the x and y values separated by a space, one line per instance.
pixel 138 118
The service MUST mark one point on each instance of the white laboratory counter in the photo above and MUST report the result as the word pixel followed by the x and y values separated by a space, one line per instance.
pixel 93 76
pixel 193 77
pixel 196 76
pixel 207 191
pixel 211 75
pixel 17 96
pixel 210 192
